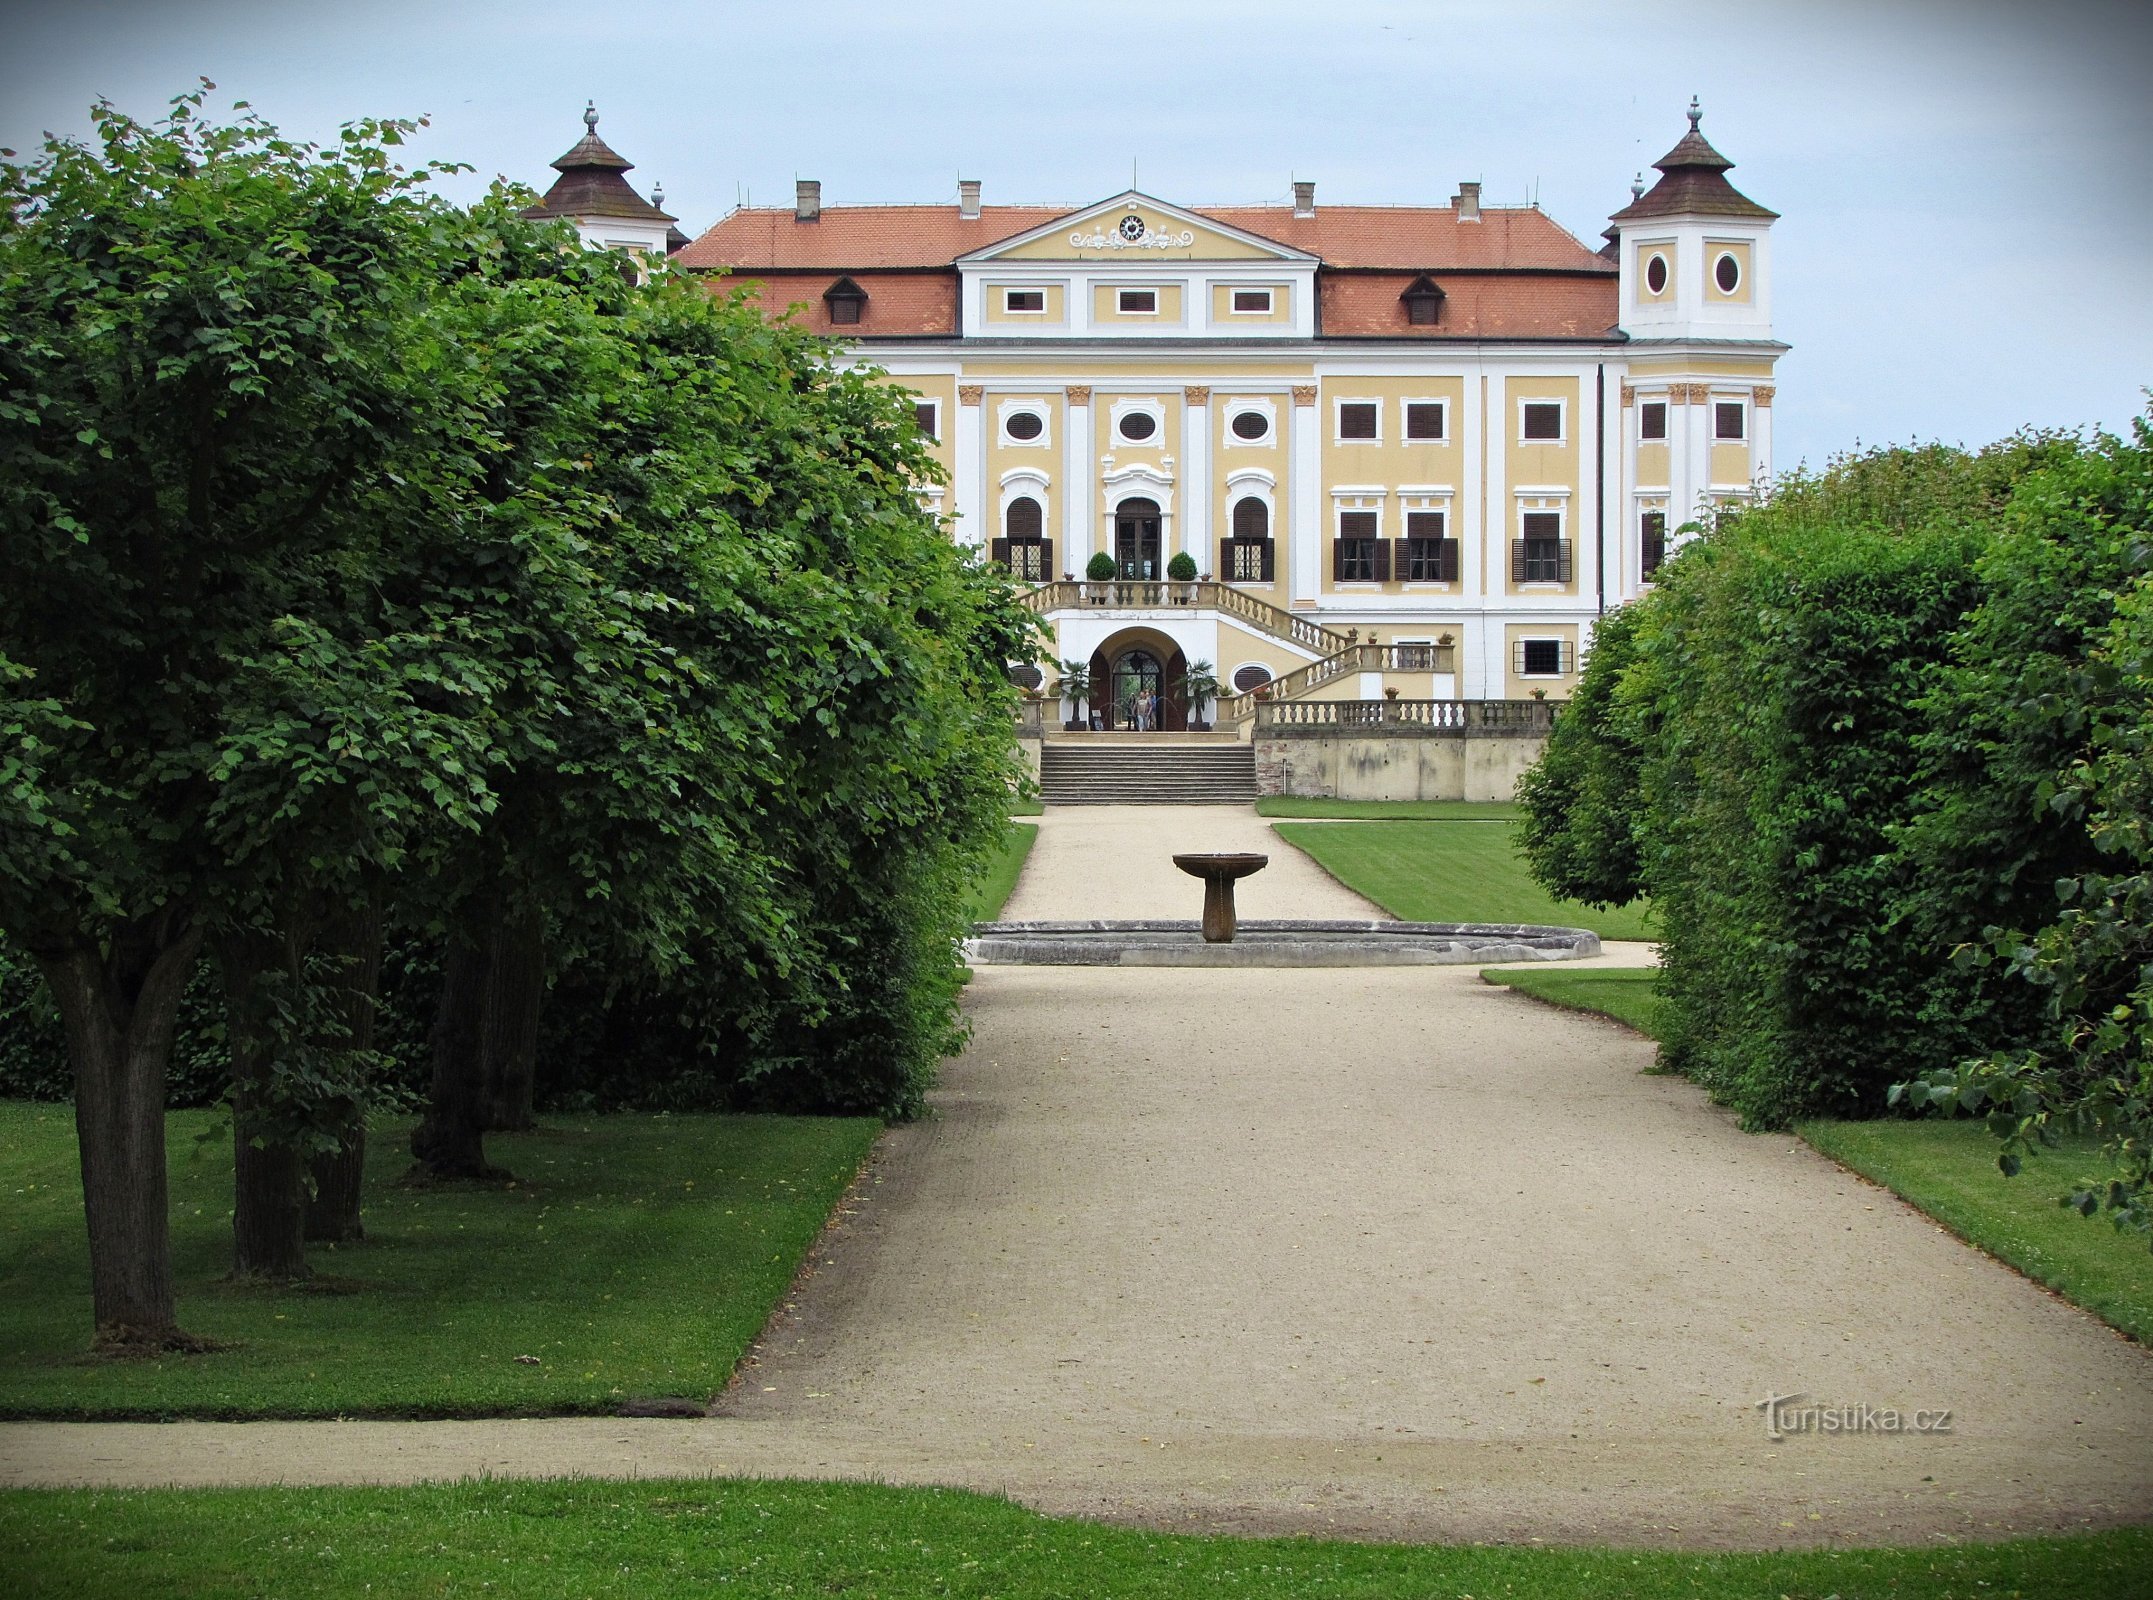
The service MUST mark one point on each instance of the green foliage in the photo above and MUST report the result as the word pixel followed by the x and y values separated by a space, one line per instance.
pixel 1182 568
pixel 1579 833
pixel 1101 567
pixel 1626 995
pixel 1076 684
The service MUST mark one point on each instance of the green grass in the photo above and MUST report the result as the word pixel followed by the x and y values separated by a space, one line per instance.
pixel 1448 872
pixel 1948 1169
pixel 637 1256
pixel 1624 994
pixel 1279 805
pixel 999 881
pixel 1026 808
pixel 673 1540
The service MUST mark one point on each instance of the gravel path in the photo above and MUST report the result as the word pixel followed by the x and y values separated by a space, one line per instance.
pixel 1385 1253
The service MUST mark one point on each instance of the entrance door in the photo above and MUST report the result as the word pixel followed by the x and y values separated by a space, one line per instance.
pixel 1136 540
pixel 1136 672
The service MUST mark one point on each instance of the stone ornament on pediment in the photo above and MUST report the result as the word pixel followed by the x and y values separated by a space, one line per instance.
pixel 970 394
pixel 1304 394
pixel 1079 394
pixel 1197 394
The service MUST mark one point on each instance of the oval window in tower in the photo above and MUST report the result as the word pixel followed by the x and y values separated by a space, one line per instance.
pixel 1727 273
pixel 1024 425
pixel 1656 274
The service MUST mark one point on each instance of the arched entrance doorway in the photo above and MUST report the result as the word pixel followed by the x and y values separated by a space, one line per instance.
pixel 1130 662
pixel 1137 550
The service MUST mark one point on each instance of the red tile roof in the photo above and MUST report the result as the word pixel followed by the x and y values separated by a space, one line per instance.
pixel 1476 306
pixel 1430 238
pixel 903 304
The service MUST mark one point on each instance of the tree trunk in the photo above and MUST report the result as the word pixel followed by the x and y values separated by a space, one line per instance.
pixel 450 1142
pixel 338 1176
pixel 515 994
pixel 268 1172
pixel 119 1006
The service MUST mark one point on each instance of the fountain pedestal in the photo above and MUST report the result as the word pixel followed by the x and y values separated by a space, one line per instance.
pixel 1219 872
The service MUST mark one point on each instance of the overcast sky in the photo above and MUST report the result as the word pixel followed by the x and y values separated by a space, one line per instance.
pixel 1966 244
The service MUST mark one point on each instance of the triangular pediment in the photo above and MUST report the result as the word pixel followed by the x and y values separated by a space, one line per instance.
pixel 1132 227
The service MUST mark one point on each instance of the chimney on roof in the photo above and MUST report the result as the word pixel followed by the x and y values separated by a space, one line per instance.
pixel 1467 202
pixel 807 200
pixel 967 197
pixel 1304 198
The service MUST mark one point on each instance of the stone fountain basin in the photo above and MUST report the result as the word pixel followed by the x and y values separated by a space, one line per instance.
pixel 1167 943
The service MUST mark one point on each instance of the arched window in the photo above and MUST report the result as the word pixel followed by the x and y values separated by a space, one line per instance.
pixel 1022 547
pixel 1248 557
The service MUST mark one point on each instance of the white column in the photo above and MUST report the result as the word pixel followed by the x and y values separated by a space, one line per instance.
pixel 969 485
pixel 1079 474
pixel 1196 475
pixel 1304 532
pixel 1760 425
pixel 1681 430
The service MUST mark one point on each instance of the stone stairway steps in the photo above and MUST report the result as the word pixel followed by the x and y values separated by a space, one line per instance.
pixel 1075 774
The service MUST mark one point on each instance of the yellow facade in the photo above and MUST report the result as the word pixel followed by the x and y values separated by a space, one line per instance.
pixel 1054 296
pixel 1106 302
pixel 1222 303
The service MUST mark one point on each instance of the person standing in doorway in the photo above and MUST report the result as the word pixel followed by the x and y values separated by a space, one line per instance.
pixel 1144 707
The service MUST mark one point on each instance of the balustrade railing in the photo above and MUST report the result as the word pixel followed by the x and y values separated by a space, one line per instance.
pixel 1150 593
pixel 1486 716
pixel 1233 709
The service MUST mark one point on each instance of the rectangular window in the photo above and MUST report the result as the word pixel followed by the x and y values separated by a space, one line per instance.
pixel 1542 658
pixel 1257 301
pixel 1542 555
pixel 1652 419
pixel 1138 302
pixel 1729 420
pixel 1424 419
pixel 1360 556
pixel 927 414
pixel 1414 655
pixel 1654 541
pixel 1427 556
pixel 1357 419
pixel 1024 299
pixel 1247 560
pixel 1542 420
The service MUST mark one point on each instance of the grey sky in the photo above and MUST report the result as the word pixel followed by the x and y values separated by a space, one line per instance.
pixel 1967 207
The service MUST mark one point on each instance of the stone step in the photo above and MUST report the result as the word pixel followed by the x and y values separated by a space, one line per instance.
pixel 1133 773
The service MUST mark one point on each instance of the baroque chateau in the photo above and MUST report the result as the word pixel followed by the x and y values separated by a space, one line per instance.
pixel 1411 452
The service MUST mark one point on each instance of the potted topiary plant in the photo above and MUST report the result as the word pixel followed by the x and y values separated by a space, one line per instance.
pixel 1199 685
pixel 1182 571
pixel 1075 687
pixel 1100 569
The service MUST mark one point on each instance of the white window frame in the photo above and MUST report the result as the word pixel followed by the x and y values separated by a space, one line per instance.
pixel 1442 406
pixel 1006 409
pixel 1562 646
pixel 1554 502
pixel 1740 400
pixel 1136 407
pixel 934 404
pixel 1235 309
pixel 1647 249
pixel 1009 310
pixel 1024 483
pixel 1123 309
pixel 1721 251
pixel 1338 418
pixel 1562 420
pixel 1356 499
pixel 1263 408
pixel 1414 497
pixel 1666 418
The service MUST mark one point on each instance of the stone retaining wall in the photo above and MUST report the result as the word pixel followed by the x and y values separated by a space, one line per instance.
pixel 1404 763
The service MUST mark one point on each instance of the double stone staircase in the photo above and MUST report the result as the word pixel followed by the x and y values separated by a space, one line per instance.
pixel 1146 769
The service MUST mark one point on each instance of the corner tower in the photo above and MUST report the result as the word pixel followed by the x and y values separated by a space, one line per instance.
pixel 592 193
pixel 1695 252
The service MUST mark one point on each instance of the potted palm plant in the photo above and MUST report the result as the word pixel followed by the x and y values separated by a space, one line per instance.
pixel 1199 685
pixel 1075 687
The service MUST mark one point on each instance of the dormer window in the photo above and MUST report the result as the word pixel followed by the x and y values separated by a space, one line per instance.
pixel 846 300
pixel 1423 300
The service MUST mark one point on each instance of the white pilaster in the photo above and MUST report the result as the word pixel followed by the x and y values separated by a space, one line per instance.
pixel 1760 425
pixel 1697 441
pixel 970 476
pixel 1305 530
pixel 1078 479
pixel 1196 476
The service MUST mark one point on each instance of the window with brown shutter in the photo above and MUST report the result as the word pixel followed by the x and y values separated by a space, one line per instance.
pixel 1424 419
pixel 1543 420
pixel 1652 420
pixel 1027 555
pixel 1424 554
pixel 1541 658
pixel 927 415
pixel 1357 419
pixel 1542 555
pixel 845 301
pixel 1359 555
pixel 1251 519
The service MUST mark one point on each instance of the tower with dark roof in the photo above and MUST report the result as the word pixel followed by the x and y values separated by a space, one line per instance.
pixel 1694 250
pixel 592 192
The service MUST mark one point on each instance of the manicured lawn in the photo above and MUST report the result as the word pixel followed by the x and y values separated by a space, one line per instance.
pixel 1948 1169
pixel 1448 872
pixel 1625 994
pixel 1026 808
pixel 660 1540
pixel 1278 805
pixel 637 1256
pixel 1000 878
